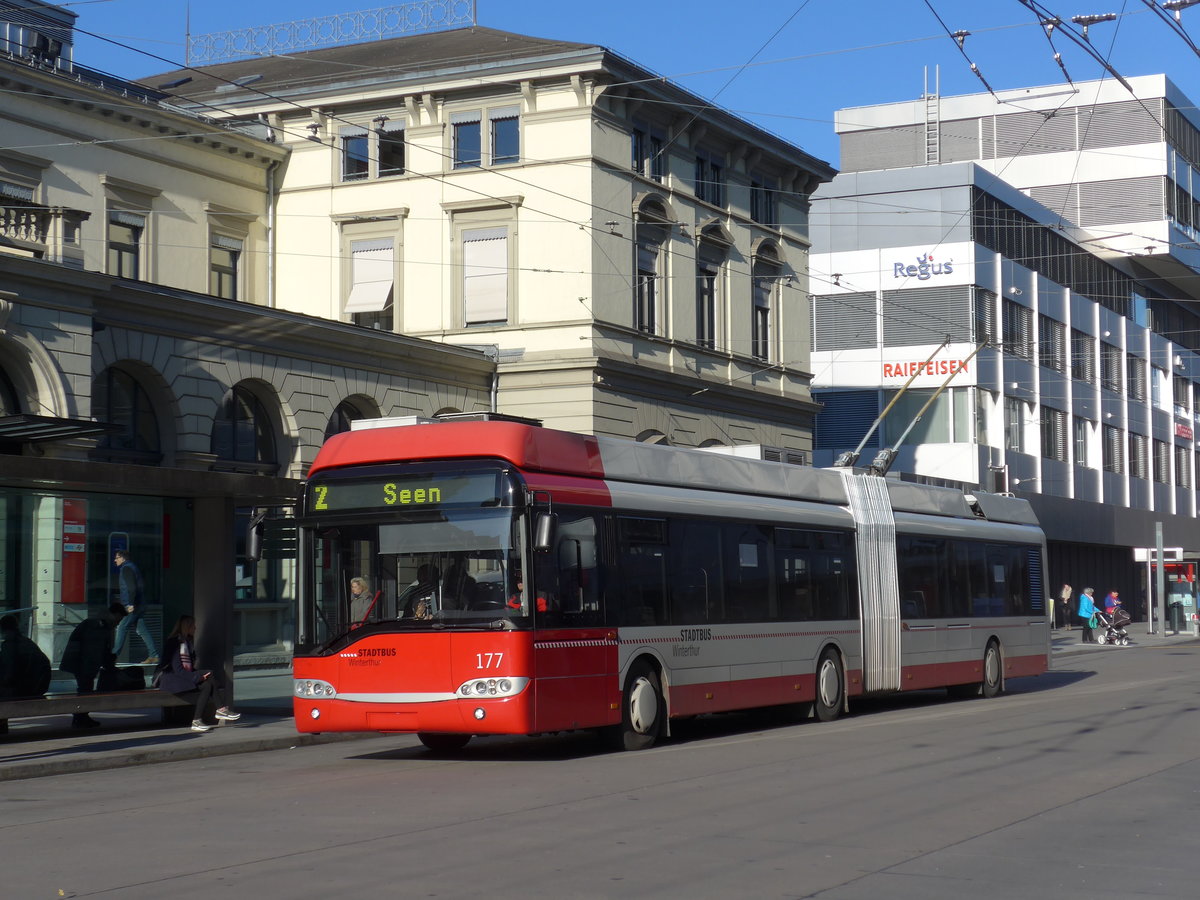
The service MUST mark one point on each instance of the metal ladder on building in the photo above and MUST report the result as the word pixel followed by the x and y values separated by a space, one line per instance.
pixel 932 120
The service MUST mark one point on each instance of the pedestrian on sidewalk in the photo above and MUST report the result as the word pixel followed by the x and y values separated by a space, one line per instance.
pixel 88 650
pixel 179 674
pixel 133 597
pixel 1087 614
pixel 1064 605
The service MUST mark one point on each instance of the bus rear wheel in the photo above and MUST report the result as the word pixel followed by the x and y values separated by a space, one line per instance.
pixel 831 689
pixel 642 709
pixel 443 743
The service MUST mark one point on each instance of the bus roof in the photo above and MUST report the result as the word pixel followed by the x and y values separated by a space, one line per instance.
pixel 535 449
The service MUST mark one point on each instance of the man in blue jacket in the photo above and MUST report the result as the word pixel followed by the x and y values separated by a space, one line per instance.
pixel 133 598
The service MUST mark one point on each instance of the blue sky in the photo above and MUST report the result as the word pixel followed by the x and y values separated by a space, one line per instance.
pixel 784 64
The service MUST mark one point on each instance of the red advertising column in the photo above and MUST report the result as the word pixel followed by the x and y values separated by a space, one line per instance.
pixel 74 551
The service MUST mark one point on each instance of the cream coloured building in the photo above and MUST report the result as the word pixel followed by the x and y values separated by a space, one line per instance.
pixel 634 258
pixel 149 393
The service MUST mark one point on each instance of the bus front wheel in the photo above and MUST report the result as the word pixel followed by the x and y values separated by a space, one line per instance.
pixel 642 709
pixel 831 688
pixel 443 743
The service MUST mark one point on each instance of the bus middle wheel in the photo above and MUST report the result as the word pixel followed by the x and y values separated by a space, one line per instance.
pixel 831 688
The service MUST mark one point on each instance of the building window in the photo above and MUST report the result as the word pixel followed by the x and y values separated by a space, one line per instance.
pixel 9 405
pixel 651 236
pixel 1135 377
pixel 1113 452
pixel 1158 383
pixel 1139 456
pixel 1181 389
pixel 706 306
pixel 764 201
pixel 710 177
pixel 1052 344
pixel 1162 462
pixel 985 316
pixel 1014 424
pixel 468 139
pixel 1083 358
pixel 125 231
pixel 391 149
pixel 647 152
pixel 503 137
pixel 764 273
pixel 1017 324
pixel 242 434
pixel 118 399
pixel 356 153
pixel 1183 474
pixel 224 255
pixel 371 289
pixel 345 413
pixel 485 275
pixel 1110 367
pixel 1083 430
pixel 1054 434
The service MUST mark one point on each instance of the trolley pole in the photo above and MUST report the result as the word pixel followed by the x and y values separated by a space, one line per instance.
pixel 1160 580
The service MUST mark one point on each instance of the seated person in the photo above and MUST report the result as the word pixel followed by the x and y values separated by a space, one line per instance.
pixel 24 668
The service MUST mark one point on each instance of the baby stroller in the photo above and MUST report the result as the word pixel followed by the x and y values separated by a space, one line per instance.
pixel 1114 627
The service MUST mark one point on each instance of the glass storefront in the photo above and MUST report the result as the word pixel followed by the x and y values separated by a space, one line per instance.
pixel 56 569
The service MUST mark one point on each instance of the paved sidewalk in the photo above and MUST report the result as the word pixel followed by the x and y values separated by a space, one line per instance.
pixel 48 746
pixel 1068 643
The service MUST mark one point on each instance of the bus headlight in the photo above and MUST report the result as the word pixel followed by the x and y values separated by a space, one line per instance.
pixel 492 687
pixel 312 688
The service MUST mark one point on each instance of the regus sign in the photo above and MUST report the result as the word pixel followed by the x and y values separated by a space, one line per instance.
pixel 924 269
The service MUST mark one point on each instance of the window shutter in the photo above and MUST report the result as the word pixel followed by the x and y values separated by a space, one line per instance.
pixel 372 276
pixel 485 275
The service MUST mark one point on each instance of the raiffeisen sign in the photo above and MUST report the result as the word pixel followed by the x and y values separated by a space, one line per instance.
pixel 923 269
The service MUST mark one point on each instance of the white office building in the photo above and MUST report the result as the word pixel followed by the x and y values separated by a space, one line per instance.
pixel 1032 255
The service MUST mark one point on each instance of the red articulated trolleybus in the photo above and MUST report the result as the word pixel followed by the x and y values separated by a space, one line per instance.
pixel 522 580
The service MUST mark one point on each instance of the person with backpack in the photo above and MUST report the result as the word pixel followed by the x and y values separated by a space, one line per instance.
pixel 24 668
pixel 88 650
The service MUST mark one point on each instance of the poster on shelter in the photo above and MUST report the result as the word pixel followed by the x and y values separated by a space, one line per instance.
pixel 74 551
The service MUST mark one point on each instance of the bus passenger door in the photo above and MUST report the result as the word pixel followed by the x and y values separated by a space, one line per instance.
pixel 575 653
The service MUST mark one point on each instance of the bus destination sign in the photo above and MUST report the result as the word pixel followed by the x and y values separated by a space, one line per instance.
pixel 429 491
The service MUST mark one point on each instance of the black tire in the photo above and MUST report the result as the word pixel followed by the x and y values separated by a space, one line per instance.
pixel 643 710
pixel 443 743
pixel 830 687
pixel 993 671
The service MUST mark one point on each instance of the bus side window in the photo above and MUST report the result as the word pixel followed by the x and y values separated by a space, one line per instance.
pixel 642 570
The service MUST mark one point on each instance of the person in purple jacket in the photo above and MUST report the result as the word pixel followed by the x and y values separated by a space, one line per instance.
pixel 179 674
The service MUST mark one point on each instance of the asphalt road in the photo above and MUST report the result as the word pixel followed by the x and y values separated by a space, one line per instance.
pixel 1081 783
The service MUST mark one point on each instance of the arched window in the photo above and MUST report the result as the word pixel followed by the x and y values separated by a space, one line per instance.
pixel 242 433
pixel 765 272
pixel 9 406
pixel 711 252
pixel 652 224
pixel 652 436
pixel 345 413
pixel 118 399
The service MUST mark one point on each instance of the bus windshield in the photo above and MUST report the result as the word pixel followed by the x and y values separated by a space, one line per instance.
pixel 450 569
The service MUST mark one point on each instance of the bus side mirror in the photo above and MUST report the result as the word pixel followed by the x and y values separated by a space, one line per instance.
pixel 543 532
pixel 254 535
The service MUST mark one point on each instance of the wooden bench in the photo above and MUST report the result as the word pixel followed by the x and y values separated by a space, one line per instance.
pixel 63 703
